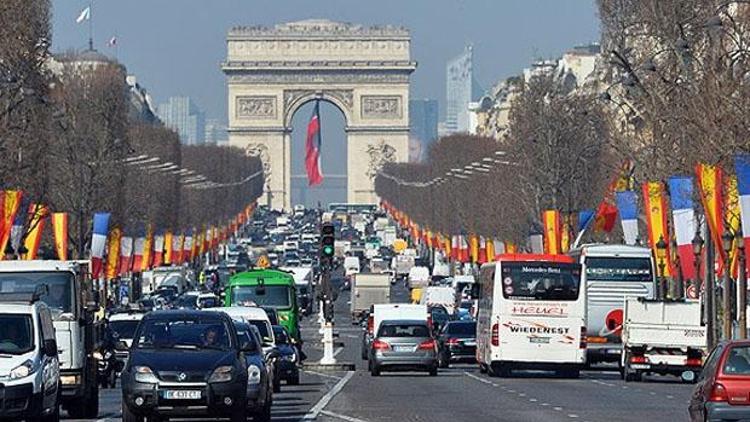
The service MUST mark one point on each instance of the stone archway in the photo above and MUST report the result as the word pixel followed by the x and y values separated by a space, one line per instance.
pixel 363 71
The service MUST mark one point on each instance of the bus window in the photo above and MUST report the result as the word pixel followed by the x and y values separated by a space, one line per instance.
pixel 530 281
pixel 618 269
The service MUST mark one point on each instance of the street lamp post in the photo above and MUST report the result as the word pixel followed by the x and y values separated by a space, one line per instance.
pixel 726 294
pixel 742 287
pixel 661 254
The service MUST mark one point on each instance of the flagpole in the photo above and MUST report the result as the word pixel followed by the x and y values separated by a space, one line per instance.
pixel 91 26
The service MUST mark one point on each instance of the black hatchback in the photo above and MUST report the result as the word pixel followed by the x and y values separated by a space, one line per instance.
pixel 457 342
pixel 185 364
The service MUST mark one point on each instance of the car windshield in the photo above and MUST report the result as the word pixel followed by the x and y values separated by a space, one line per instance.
pixel 246 338
pixel 403 330
pixel 738 361
pixel 16 336
pixel 273 296
pixel 462 328
pixel 59 297
pixel 123 329
pixel 184 333
pixel 541 281
pixel 262 327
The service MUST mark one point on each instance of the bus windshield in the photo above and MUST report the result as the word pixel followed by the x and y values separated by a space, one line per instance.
pixel 272 296
pixel 618 269
pixel 59 285
pixel 541 281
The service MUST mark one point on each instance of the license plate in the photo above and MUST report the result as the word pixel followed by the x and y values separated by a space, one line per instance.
pixel 402 348
pixel 182 394
pixel 539 340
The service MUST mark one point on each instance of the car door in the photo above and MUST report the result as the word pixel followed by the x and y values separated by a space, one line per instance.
pixel 50 364
pixel 704 384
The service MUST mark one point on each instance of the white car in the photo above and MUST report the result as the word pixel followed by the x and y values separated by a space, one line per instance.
pixel 30 369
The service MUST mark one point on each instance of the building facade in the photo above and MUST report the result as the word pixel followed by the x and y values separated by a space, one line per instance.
pixel 216 132
pixel 183 116
pixel 423 123
pixel 461 88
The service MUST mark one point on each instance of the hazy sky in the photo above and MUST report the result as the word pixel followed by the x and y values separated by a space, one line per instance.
pixel 175 46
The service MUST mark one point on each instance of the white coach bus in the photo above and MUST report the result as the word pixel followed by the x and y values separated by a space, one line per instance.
pixel 532 315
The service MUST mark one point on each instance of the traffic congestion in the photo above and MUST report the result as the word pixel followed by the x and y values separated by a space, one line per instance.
pixel 232 334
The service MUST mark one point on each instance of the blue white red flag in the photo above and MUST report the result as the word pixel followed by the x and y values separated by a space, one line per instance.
pixel 627 204
pixel 99 242
pixel 312 149
pixel 683 217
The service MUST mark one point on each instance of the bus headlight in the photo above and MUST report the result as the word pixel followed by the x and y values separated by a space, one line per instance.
pixel 253 374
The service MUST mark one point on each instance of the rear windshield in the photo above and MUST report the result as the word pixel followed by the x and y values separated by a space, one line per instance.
pixel 541 281
pixel 618 269
pixel 403 330
pixel 738 361
pixel 466 328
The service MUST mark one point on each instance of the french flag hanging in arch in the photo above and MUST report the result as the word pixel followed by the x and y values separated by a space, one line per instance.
pixel 312 148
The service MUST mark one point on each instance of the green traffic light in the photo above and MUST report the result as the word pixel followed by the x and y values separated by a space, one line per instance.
pixel 328 250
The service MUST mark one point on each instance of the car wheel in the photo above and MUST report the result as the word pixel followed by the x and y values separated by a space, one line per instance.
pixel 239 416
pixel 277 384
pixel 433 371
pixel 54 416
pixel 128 416
pixel 364 353
pixel 265 414
pixel 482 368
pixel 374 371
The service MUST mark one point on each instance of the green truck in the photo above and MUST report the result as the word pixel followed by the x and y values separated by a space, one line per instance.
pixel 267 288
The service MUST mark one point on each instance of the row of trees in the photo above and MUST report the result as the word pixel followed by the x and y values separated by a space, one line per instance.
pixel 669 91
pixel 66 131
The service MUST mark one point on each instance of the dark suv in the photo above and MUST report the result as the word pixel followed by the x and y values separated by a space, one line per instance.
pixel 185 364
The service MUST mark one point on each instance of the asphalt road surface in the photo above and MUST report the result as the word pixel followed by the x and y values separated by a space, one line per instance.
pixel 460 393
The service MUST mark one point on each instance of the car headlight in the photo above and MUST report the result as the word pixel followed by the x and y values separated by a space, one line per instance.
pixel 289 358
pixel 98 356
pixel 253 374
pixel 221 374
pixel 23 370
pixel 144 374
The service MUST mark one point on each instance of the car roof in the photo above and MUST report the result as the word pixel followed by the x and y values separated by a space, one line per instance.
pixel 19 308
pixel 245 312
pixel 127 316
pixel 180 313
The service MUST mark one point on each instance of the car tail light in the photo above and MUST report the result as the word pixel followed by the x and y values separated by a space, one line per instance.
pixel 496 334
pixel 718 393
pixel 693 362
pixel 427 345
pixel 638 359
pixel 584 339
pixel 380 345
pixel 370 324
pixel 452 342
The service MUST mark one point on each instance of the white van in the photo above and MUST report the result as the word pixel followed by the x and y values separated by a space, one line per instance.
pixel 29 350
pixel 532 315
pixel 419 277
pixel 439 295
pixel 351 265
pixel 252 315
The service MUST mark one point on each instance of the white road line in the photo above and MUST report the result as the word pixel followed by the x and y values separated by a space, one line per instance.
pixel 337 351
pixel 480 379
pixel 323 402
pixel 342 417
pixel 320 374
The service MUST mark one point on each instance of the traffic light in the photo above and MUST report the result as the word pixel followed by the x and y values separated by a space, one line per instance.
pixel 327 240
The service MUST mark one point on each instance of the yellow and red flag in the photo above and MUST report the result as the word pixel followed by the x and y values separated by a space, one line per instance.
pixel 113 253
pixel 168 247
pixel 490 247
pixel 565 234
pixel 510 247
pixel 37 214
pixel 474 247
pixel 709 180
pixel 551 221
pixel 148 247
pixel 60 232
pixel 655 205
pixel 732 219
pixel 10 201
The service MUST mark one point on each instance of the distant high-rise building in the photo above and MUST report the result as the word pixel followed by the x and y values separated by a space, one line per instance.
pixel 216 132
pixel 423 122
pixel 461 89
pixel 182 115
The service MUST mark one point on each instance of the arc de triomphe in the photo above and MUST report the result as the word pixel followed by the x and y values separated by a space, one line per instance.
pixel 271 72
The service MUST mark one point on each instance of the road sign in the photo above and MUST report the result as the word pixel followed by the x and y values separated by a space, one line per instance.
pixel 399 245
pixel 263 262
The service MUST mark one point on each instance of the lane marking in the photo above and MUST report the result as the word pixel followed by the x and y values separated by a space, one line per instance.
pixel 337 351
pixel 340 416
pixel 323 402
pixel 480 379
pixel 320 374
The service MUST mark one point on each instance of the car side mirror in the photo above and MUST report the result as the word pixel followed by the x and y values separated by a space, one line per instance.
pixel 121 346
pixel 50 347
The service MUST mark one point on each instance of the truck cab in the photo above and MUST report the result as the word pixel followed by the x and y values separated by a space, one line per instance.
pixel 69 294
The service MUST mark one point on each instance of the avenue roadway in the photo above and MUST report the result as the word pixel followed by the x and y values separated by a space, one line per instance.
pixel 460 393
